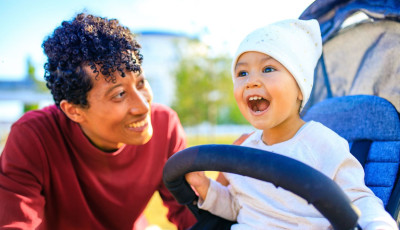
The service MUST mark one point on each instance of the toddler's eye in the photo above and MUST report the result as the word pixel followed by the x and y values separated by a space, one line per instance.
pixel 242 74
pixel 268 69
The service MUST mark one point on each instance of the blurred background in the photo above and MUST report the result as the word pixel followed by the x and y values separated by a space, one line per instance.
pixel 187 47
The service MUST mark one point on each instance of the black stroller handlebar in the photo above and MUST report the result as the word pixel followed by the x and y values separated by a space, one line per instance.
pixel 295 176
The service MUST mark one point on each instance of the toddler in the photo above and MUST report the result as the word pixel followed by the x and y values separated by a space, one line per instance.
pixel 272 75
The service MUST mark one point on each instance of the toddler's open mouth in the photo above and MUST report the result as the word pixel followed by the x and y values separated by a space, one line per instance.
pixel 257 103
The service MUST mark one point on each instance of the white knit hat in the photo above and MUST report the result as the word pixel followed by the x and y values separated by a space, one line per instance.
pixel 295 43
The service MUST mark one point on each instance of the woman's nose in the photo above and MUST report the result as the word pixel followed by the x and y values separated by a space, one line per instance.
pixel 139 104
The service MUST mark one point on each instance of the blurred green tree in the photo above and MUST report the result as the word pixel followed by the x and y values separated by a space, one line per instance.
pixel 39 86
pixel 204 89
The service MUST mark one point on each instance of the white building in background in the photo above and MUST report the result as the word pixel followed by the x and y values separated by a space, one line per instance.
pixel 160 57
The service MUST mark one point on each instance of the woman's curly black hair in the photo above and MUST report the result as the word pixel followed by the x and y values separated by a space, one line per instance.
pixel 103 44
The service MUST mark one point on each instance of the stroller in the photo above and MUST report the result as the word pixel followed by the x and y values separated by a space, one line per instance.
pixel 356 93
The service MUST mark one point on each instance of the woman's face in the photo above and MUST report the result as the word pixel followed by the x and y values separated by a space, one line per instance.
pixel 119 112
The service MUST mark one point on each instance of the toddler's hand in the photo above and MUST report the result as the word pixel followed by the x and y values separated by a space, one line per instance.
pixel 196 178
pixel 200 183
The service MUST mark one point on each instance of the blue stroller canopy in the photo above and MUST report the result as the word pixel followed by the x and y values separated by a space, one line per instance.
pixel 332 13
pixel 359 56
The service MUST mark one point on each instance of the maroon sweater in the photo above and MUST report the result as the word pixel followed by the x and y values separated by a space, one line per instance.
pixel 52 177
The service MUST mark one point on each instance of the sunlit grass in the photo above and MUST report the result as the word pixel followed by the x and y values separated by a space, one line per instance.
pixel 155 211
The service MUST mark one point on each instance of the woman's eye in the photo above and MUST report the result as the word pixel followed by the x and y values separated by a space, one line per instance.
pixel 242 74
pixel 120 94
pixel 140 84
pixel 268 69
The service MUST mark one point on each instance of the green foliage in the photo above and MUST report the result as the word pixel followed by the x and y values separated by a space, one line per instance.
pixel 40 86
pixel 204 89
pixel 29 107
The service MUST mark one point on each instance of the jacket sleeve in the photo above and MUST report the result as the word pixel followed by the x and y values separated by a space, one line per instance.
pixel 21 178
pixel 220 202
pixel 350 177
pixel 178 214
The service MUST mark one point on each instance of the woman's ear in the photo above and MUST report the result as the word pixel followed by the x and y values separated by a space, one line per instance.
pixel 73 112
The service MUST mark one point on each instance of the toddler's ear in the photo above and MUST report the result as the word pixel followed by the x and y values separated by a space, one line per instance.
pixel 300 96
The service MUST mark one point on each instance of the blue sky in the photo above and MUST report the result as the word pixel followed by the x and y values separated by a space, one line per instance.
pixel 221 23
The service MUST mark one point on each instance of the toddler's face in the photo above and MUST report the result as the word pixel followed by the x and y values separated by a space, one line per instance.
pixel 266 93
